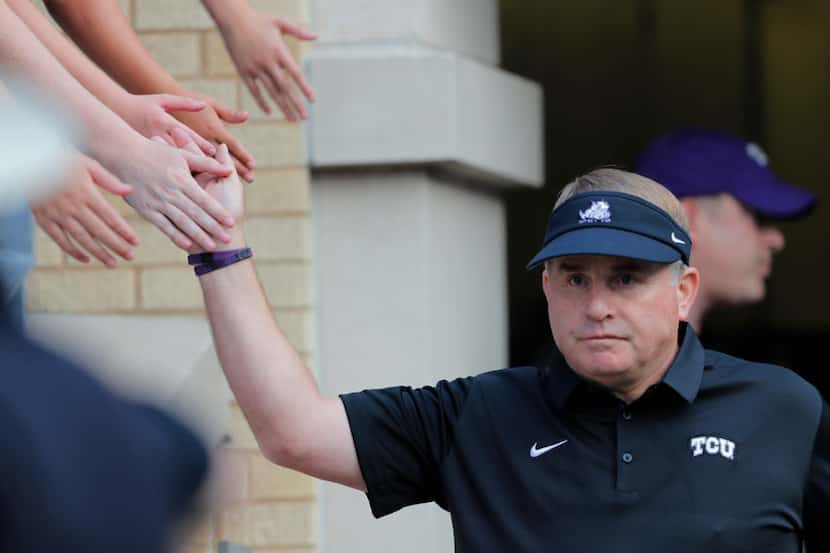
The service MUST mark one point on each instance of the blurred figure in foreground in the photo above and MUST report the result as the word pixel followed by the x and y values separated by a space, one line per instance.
pixel 731 198
pixel 80 469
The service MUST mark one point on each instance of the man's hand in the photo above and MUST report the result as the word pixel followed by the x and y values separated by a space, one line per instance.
pixel 82 222
pixel 165 193
pixel 256 45
pixel 148 114
pixel 209 124
pixel 226 190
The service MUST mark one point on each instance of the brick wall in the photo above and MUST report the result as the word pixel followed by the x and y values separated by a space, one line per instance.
pixel 272 509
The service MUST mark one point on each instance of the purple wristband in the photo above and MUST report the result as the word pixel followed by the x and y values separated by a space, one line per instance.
pixel 215 257
pixel 210 261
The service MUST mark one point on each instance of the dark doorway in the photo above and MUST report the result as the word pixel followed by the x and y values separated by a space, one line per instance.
pixel 617 74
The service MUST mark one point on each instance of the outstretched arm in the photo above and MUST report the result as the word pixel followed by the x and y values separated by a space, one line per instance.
pixel 104 33
pixel 294 424
pixel 255 43
pixel 146 114
pixel 82 222
pixel 163 190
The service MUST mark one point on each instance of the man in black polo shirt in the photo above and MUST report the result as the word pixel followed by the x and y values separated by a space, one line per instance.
pixel 633 439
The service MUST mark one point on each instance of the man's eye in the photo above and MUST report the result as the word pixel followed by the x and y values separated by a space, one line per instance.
pixel 626 279
pixel 576 280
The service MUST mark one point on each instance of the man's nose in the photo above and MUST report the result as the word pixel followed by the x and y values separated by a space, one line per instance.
pixel 600 306
pixel 773 238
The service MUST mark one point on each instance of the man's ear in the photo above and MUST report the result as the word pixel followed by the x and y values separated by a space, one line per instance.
pixel 687 292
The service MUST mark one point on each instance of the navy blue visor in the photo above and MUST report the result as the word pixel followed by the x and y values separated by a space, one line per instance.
pixel 613 223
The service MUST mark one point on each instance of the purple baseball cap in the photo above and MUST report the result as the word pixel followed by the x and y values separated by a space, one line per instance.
pixel 700 163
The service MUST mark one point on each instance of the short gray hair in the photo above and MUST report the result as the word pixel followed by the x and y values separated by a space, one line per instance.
pixel 677 269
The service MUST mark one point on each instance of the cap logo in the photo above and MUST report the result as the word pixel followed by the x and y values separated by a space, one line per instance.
pixel 599 212
pixel 757 154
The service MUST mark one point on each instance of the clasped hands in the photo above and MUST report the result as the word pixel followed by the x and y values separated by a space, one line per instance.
pixel 197 213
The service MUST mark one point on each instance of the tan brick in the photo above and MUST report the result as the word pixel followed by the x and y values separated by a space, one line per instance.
pixel 278 191
pixel 240 432
pixel 273 144
pixel 93 263
pixel 293 10
pixel 170 289
pixel 178 53
pixel 309 549
pixel 230 475
pixel 166 15
pixel 47 252
pixel 218 62
pixel 277 523
pixel 194 549
pixel 279 238
pixel 155 247
pixel 223 90
pixel 297 327
pixel 81 290
pixel 270 481
pixel 126 8
pixel 199 532
pixel 286 285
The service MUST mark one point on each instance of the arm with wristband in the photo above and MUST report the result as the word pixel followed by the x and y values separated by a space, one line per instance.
pixel 104 33
pixel 277 393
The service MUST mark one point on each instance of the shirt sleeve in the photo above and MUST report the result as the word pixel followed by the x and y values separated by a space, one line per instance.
pixel 817 496
pixel 401 436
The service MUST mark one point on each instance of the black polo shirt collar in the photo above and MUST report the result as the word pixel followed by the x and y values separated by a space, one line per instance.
pixel 686 371
pixel 683 376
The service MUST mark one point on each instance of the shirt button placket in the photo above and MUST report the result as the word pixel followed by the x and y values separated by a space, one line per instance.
pixel 626 457
pixel 625 473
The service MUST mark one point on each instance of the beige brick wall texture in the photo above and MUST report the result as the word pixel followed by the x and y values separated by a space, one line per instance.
pixel 267 508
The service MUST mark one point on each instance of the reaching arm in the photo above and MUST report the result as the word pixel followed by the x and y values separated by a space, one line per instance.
pixel 163 190
pixel 104 33
pixel 254 41
pixel 21 51
pixel 82 222
pixel 146 114
pixel 294 424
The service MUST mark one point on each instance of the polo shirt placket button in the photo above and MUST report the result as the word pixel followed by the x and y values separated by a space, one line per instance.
pixel 626 414
pixel 627 457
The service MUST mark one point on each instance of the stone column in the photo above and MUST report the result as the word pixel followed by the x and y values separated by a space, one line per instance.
pixel 414 139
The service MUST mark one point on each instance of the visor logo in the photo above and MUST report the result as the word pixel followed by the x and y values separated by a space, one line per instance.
pixel 599 212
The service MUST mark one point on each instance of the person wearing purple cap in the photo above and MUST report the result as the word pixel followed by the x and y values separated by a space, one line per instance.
pixel 728 193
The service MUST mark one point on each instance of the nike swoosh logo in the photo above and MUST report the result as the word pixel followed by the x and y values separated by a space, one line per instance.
pixel 676 240
pixel 534 452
